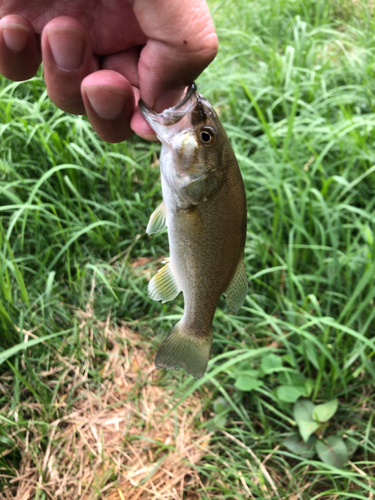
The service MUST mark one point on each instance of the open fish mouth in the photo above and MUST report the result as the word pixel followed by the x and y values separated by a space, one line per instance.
pixel 173 120
pixel 172 115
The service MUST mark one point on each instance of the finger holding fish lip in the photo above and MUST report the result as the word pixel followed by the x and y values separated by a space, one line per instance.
pixel 141 127
pixel 109 104
pixel 126 64
pixel 173 57
pixel 159 46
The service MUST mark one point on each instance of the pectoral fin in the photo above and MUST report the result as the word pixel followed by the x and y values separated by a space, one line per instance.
pixel 163 285
pixel 158 219
pixel 237 289
pixel 197 189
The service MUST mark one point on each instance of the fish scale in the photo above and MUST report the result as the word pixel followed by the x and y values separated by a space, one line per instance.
pixel 204 208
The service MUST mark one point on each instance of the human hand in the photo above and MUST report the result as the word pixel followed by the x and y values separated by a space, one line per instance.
pixel 100 56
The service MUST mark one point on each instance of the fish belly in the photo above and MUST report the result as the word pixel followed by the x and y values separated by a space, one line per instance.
pixel 206 244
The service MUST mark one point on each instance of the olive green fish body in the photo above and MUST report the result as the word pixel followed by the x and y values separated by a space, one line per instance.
pixel 204 208
pixel 206 245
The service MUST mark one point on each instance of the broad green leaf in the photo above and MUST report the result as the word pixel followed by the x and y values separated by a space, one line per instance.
pixel 296 445
pixel 291 377
pixel 246 383
pixel 351 445
pixel 217 422
pixel 289 393
pixel 306 428
pixel 289 359
pixel 333 452
pixel 245 369
pixel 311 354
pixel 250 373
pixel 309 386
pixel 299 348
pixel 220 405
pixel 323 412
pixel 303 410
pixel 271 363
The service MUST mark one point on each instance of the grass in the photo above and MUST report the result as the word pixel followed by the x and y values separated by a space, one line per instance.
pixel 294 86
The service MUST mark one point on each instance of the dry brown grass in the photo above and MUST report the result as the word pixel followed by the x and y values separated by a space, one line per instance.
pixel 116 444
pixel 347 9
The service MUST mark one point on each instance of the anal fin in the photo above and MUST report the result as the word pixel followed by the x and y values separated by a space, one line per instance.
pixel 163 285
pixel 237 289
pixel 158 219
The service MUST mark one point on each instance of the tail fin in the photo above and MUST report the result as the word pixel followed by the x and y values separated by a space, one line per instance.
pixel 184 349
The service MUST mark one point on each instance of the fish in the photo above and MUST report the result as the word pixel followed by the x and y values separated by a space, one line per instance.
pixel 204 210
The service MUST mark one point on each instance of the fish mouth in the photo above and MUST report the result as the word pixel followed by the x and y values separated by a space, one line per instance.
pixel 173 120
pixel 172 115
pixel 192 111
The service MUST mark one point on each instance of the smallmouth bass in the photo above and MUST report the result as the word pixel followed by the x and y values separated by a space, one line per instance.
pixel 204 209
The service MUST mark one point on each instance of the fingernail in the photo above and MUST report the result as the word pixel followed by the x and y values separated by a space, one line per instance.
pixel 15 36
pixel 107 102
pixel 67 47
pixel 168 99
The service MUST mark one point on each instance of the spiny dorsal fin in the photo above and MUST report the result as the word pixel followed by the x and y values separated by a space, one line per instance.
pixel 163 285
pixel 158 219
pixel 237 289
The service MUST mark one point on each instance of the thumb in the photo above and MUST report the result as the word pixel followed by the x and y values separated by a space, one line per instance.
pixel 181 44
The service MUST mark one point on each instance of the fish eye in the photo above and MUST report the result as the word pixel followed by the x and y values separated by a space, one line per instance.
pixel 207 136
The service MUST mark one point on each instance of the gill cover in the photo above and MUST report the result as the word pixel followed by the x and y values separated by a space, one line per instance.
pixel 192 139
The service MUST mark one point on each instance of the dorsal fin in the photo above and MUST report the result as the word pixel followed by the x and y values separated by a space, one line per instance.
pixel 237 289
